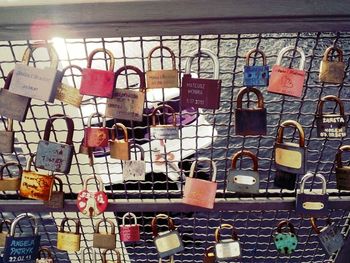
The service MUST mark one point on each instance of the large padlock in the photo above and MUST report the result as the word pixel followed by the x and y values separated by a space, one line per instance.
pixel 57 197
pixel 209 255
pixel 311 204
pixel 97 82
pixel 104 240
pixel 332 71
pixel 54 156
pixel 92 203
pixel 10 183
pixel 130 232
pixel 342 173
pixel 287 81
pixel 169 242
pixel 165 78
pixel 127 104
pixel 250 121
pixel 69 241
pixel 200 92
pixel 227 249
pixel 255 75
pixel 34 185
pixel 67 93
pixel 47 256
pixel 34 82
pixel 290 157
pixel 4 234
pixel 96 136
pixel 13 106
pixel 285 180
pixel 113 251
pixel 285 241
pixel 165 131
pixel 331 125
pixel 242 181
pixel 7 138
pixel 330 236
pixel 92 255
pixel 200 192
pixel 22 248
pixel 119 149
pixel 135 170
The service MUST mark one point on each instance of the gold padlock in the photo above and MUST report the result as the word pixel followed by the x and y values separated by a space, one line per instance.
pixel 3 234
pixel 7 138
pixel 104 256
pixel 119 149
pixel 10 183
pixel 69 241
pixel 332 71
pixel 104 240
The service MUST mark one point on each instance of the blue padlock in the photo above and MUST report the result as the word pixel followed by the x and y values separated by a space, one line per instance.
pixel 257 76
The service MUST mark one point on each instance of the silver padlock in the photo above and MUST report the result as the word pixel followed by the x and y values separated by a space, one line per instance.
pixel 135 170
pixel 228 248
pixel 90 251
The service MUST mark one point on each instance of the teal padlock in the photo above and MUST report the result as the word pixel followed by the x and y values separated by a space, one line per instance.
pixel 285 241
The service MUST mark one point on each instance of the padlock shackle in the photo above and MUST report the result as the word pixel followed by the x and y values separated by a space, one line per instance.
pixel 244 153
pixel 225 226
pixel 60 183
pixel 330 98
pixel 285 223
pixel 317 230
pixel 104 255
pixel 7 164
pixel 171 260
pixel 50 49
pixel 165 106
pixel 333 49
pixel 338 156
pixel 139 147
pixel 130 215
pixel 30 161
pixel 69 123
pixel 72 67
pixel 8 80
pixel 103 50
pixel 82 254
pixel 21 217
pixel 294 124
pixel 204 159
pixel 309 176
pixel 110 222
pixel 97 114
pixel 115 128
pixel 244 91
pixel 154 224
pixel 255 51
pixel 149 58
pixel 198 53
pixel 76 222
pixel 92 177
pixel 7 222
pixel 291 48
pixel 44 250
pixel 141 75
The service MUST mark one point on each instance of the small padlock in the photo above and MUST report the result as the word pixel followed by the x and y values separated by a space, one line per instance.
pixel 209 255
pixel 47 256
pixel 119 149
pixel 242 181
pixel 312 205
pixel 104 256
pixel 199 192
pixel 290 157
pixel 92 203
pixel 83 255
pixel 332 71
pixel 135 170
pixel 67 93
pixel 96 136
pixel 342 173
pixel 250 121
pixel 287 81
pixel 57 197
pixel 69 241
pixel 285 241
pixel 228 248
pixel 169 242
pixel 7 138
pixel 255 75
pixel 4 234
pixel 10 183
pixel 330 236
pixel 97 82
pixel 285 180
pixel 200 92
pixel 131 232
pixel 104 240
pixel 331 125
pixel 165 131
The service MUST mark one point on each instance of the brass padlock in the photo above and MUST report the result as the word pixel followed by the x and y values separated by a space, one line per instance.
pixel 57 197
pixel 332 71
pixel 69 241
pixel 10 183
pixel 165 131
pixel 7 138
pixel 119 149
pixel 47 256
pixel 83 255
pixel 104 256
pixel 104 240
pixel 209 255
pixel 3 234
pixel 342 173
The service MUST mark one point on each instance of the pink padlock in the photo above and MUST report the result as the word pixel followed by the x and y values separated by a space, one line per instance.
pixel 130 233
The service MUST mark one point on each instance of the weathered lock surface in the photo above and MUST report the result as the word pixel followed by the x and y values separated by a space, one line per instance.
pixel 342 173
pixel 227 248
pixel 104 240
pixel 119 149
pixel 7 138
pixel 69 241
pixel 4 234
pixel 332 71
pixel 285 180
pixel 10 183
pixel 135 170
pixel 255 75
pixel 57 197
pixel 130 232
pixel 285 241
pixel 167 131
pixel 96 136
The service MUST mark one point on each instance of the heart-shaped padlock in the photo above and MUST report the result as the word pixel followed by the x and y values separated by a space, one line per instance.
pixel 92 203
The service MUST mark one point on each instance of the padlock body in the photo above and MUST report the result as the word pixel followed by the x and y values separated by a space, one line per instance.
pixel 241 181
pixel 119 149
pixel 331 126
pixel 198 192
pixel 285 243
pixel 312 205
pixel 102 240
pixel 21 249
pixel 134 170
pixel 160 132
pixel 130 233
pixel 160 79
pixel 36 186
pixel 332 72
pixel 69 95
pixel 7 141
pixel 96 137
pixel 98 201
pixel 227 249
pixel 56 200
pixel 68 241
pixel 257 76
pixel 168 243
pixel 342 175
pixel 285 180
pixel 331 239
pixel 13 106
pixel 3 236
pixel 10 184
pixel 290 157
pixel 250 121
pixel 98 83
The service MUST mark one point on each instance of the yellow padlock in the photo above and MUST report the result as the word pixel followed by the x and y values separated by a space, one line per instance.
pixel 119 149
pixel 69 241
pixel 10 183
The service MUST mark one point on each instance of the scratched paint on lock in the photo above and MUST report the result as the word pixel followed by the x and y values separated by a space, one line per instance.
pixel 168 132
pixel 285 243
pixel 134 170
pixel 36 186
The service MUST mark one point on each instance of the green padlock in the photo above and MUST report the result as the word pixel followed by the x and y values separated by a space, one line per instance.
pixel 285 241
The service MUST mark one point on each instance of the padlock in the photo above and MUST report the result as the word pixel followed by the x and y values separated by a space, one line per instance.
pixel 285 241
pixel 69 241
pixel 169 242
pixel 342 173
pixel 67 93
pixel 165 131
pixel 54 156
pixel 285 180
pixel 37 83
pixel 242 181
pixel 104 256
pixel 7 138
pixel 47 256
pixel 330 236
pixel 10 183
pixel 255 75
pixel 200 92
pixel 331 125
pixel 135 170
pixel 97 82
pixel 96 136
pixel 119 149
pixel 209 255
pixel 228 248
pixel 250 121
pixel 22 248
pixel 332 71
pixel 127 104
pixel 131 232
pixel 290 157
pixel 104 240
pixel 92 255
pixel 13 106
pixel 87 151
pixel 309 204
pixel 92 203
pixel 165 78
pixel 57 197
pixel 200 192
pixel 4 234
pixel 35 185
pixel 287 81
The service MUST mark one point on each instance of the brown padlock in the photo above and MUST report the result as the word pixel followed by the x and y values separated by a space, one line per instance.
pixel 57 197
pixel 3 234
pixel 10 183
pixel 104 240
pixel 104 256
pixel 332 71
pixel 209 255
pixel 47 256
pixel 119 149
pixel 7 138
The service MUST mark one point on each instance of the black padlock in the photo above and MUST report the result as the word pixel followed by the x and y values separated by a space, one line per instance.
pixel 285 180
pixel 342 173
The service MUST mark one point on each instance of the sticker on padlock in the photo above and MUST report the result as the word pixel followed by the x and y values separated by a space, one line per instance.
pixel 104 240
pixel 332 71
pixel 228 248
pixel 285 241
pixel 57 196
pixel 209 255
pixel 7 138
pixel 10 183
pixel 342 173
pixel 69 241
pixel 96 136
pixel 113 251
pixel 47 256
pixel 257 76
pixel 166 131
pixel 92 255
pixel 4 234
pixel 131 232
pixel 135 170
pixel 119 149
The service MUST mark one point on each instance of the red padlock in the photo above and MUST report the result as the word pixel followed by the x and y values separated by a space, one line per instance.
pixel 97 82
pixel 130 233
pixel 92 203
pixel 96 136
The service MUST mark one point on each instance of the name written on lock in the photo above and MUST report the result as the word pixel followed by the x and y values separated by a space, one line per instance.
pixel 338 119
